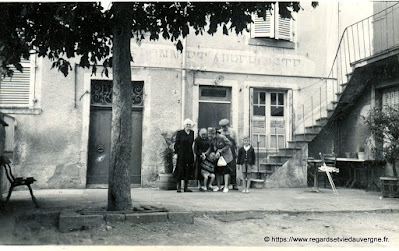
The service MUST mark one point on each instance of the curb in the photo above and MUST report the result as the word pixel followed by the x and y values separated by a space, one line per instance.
pixel 291 212
pixel 72 220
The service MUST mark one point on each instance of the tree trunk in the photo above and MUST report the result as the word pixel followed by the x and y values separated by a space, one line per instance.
pixel 119 195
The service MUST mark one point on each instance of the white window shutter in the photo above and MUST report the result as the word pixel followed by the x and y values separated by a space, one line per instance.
pixel 284 28
pixel 261 27
pixel 15 90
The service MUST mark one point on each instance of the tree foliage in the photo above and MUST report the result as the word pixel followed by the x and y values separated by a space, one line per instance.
pixel 61 31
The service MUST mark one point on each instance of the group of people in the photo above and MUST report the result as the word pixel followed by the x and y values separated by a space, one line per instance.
pixel 216 158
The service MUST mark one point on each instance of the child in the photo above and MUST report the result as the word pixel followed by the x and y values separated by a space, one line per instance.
pixel 207 171
pixel 246 159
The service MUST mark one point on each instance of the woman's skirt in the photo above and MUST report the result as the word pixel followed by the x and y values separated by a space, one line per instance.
pixel 184 172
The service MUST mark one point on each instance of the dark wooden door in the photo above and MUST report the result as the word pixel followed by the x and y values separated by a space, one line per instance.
pixel 99 145
pixel 214 105
pixel 135 170
pixel 100 133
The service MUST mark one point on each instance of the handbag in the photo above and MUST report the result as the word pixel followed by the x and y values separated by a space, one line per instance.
pixel 222 161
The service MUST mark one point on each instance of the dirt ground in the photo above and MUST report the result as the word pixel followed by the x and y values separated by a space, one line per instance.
pixel 276 230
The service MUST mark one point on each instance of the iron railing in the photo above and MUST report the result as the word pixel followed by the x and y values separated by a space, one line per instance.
pixel 369 37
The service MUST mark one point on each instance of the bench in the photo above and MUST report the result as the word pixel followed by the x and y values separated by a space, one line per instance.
pixel 16 181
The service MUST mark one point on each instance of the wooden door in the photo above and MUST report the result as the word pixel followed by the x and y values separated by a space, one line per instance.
pixel 268 119
pixel 214 105
pixel 100 133
pixel 99 145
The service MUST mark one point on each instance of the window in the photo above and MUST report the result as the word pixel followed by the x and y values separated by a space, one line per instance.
pixel 215 93
pixel 17 91
pixel 277 104
pixel 390 97
pixel 259 103
pixel 274 26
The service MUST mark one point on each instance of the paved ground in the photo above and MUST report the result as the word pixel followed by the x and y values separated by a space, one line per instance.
pixel 265 200
pixel 227 219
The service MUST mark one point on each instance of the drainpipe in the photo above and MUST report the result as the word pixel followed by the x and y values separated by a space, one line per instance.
pixel 75 83
pixel 183 79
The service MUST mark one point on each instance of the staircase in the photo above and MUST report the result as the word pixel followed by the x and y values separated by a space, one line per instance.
pixel 329 98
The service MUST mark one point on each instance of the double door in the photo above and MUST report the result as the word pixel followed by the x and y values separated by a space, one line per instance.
pixel 268 119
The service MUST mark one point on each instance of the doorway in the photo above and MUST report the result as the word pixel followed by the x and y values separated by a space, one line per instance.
pixel 268 117
pixel 100 132
pixel 214 105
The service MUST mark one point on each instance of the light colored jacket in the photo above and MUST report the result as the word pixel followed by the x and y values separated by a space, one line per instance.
pixel 223 145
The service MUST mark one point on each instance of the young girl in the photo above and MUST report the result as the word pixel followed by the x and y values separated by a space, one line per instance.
pixel 246 159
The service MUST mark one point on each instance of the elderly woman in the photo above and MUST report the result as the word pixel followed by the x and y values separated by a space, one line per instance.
pixel 185 156
pixel 201 149
pixel 222 147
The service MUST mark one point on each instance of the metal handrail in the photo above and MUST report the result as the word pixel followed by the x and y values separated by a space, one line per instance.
pixel 353 46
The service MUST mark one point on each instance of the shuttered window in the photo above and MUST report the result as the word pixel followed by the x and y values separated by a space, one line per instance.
pixel 262 27
pixel 15 91
pixel 390 97
pixel 273 27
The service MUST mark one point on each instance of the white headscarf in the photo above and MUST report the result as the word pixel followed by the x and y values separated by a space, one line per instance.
pixel 188 121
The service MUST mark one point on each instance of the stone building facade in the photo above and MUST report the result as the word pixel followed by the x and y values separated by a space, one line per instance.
pixel 257 81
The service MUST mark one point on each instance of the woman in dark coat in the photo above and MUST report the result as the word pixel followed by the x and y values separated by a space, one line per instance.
pixel 201 149
pixel 185 156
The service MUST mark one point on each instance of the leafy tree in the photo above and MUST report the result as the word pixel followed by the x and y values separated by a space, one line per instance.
pixel 61 31
pixel 384 124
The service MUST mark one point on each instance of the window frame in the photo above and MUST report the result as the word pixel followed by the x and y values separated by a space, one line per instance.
pixel 31 65
pixel 277 105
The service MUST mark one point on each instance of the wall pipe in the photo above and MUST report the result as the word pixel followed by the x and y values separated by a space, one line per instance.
pixel 183 79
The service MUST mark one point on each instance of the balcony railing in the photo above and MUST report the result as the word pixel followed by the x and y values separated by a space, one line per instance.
pixel 372 36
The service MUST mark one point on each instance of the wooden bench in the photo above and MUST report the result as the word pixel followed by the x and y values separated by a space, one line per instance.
pixel 16 181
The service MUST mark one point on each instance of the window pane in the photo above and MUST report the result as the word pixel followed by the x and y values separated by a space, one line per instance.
pixel 220 93
pixel 259 110
pixel 256 99
pixel 277 111
pixel 273 98
pixel 262 97
pixel 281 98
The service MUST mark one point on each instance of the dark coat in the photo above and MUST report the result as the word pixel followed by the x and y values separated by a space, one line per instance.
pixel 184 148
pixel 201 145
pixel 246 157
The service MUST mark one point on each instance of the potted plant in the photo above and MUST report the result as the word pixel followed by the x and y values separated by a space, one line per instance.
pixel 384 124
pixel 166 179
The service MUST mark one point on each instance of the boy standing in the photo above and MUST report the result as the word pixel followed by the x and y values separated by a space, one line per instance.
pixel 246 158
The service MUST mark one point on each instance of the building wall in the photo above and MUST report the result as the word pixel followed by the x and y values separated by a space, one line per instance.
pixel 386 30
pixel 51 142
pixel 347 133
pixel 47 144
